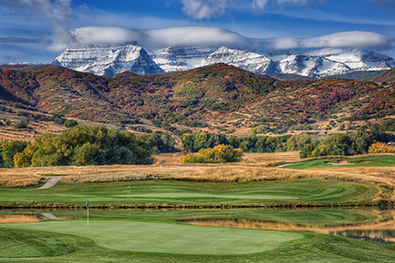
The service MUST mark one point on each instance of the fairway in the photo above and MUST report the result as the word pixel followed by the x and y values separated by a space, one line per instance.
pixel 379 161
pixel 166 237
pixel 196 195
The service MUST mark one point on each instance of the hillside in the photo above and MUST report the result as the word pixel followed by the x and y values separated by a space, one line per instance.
pixel 217 98
pixel 386 76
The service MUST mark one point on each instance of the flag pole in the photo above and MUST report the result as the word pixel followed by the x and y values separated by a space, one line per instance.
pixel 87 213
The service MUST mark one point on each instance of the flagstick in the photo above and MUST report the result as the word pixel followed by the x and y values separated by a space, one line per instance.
pixel 87 222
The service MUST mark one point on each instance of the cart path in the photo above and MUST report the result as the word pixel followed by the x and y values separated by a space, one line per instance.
pixel 50 216
pixel 51 182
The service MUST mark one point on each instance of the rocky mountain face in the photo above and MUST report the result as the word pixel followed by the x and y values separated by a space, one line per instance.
pixel 108 60
pixel 181 58
pixel 328 62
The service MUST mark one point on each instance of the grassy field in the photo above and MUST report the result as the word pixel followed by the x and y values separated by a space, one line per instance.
pixel 379 161
pixel 194 193
pixel 111 240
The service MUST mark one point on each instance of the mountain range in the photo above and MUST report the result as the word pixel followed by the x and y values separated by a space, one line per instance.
pixel 109 60
pixel 221 97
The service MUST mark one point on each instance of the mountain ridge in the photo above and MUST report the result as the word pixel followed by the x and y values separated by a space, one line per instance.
pixel 219 95
pixel 109 60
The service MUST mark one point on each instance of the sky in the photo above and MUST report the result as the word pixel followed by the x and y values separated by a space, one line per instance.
pixel 38 31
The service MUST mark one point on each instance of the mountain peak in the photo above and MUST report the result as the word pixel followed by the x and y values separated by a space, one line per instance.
pixel 108 60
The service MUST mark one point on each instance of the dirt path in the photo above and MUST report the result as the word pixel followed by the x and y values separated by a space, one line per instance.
pixel 51 182
pixel 283 165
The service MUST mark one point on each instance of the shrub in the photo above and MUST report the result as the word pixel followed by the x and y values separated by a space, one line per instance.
pixel 219 154
pixel 70 123
pixel 22 124
pixel 380 147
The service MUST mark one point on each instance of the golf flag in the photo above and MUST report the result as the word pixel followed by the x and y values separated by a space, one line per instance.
pixel 87 212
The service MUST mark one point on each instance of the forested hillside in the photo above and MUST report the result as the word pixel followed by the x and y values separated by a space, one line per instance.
pixel 219 97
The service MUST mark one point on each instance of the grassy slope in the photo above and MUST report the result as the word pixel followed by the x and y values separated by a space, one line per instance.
pixel 311 248
pixel 380 161
pixel 176 192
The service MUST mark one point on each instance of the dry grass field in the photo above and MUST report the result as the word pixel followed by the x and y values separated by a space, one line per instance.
pixel 18 219
pixel 254 167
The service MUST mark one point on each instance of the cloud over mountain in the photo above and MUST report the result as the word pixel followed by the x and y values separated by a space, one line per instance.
pixel 211 36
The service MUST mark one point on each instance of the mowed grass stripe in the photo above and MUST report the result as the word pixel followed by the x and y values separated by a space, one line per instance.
pixel 197 195
pixel 167 238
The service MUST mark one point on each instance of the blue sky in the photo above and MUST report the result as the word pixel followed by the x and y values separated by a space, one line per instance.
pixel 39 30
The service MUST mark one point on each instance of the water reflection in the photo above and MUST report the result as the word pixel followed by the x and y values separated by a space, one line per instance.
pixel 369 224
pixel 377 232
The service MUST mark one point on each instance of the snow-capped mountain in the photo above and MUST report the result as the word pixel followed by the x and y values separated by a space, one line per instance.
pixel 327 62
pixel 108 60
pixel 181 58
pixel 244 59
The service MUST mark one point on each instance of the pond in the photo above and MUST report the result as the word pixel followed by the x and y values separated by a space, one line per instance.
pixel 363 223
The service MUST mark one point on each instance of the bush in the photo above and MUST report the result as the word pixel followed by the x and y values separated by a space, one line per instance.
pixel 58 119
pixel 70 123
pixel 380 147
pixel 22 124
pixel 219 154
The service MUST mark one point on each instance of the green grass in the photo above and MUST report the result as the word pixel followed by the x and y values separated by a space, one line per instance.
pixel 380 161
pixel 167 237
pixel 305 247
pixel 192 193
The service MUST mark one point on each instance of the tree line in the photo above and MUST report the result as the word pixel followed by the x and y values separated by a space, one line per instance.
pixel 85 145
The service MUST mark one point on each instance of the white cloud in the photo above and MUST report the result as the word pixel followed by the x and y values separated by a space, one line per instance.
pixel 200 9
pixel 59 9
pixel 211 36
pixel 353 39
pixel 261 4
pixel 175 36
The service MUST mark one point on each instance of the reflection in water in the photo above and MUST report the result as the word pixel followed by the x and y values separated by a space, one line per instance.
pixel 379 232
pixel 369 224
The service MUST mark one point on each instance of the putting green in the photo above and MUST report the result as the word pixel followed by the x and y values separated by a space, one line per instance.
pixel 198 195
pixel 167 238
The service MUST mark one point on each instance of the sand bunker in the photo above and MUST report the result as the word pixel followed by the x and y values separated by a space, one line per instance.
pixel 345 162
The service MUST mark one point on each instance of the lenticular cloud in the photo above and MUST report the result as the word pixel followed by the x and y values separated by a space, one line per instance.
pixel 215 37
pixel 179 36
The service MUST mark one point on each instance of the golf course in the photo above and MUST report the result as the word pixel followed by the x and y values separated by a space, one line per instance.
pixel 175 193
pixel 243 213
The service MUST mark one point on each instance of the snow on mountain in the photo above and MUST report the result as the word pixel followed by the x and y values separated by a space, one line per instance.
pixel 180 58
pixel 327 62
pixel 240 58
pixel 108 60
